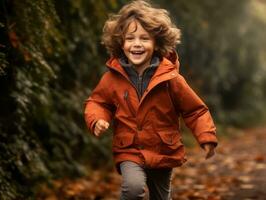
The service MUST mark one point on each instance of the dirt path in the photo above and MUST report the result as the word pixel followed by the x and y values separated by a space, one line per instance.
pixel 238 172
pixel 249 156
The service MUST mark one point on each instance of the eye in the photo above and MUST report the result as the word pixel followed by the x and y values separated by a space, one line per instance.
pixel 145 38
pixel 128 38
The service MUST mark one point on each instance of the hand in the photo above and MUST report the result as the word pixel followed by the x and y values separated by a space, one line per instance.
pixel 100 126
pixel 209 148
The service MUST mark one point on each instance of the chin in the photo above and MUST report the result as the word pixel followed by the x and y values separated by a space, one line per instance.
pixel 136 62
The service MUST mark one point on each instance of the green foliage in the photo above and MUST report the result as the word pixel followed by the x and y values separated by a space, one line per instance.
pixel 49 52
pixel 3 64
pixel 219 55
pixel 51 58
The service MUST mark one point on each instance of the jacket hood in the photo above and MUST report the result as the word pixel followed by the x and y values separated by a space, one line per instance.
pixel 173 58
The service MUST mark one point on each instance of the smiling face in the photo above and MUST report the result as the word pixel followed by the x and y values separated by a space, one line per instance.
pixel 138 46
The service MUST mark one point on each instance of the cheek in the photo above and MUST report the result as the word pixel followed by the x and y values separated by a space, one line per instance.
pixel 125 47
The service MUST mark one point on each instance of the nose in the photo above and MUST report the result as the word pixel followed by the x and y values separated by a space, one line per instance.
pixel 137 42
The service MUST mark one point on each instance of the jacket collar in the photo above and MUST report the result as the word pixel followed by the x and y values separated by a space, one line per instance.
pixel 155 61
pixel 167 65
pixel 167 69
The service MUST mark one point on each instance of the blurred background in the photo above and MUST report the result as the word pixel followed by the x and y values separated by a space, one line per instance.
pixel 51 58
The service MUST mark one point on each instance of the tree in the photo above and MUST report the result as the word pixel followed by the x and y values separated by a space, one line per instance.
pixel 48 53
pixel 220 51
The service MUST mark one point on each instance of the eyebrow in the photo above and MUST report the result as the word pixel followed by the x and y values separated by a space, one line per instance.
pixel 145 34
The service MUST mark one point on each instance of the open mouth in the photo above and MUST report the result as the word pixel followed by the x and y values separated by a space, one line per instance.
pixel 137 52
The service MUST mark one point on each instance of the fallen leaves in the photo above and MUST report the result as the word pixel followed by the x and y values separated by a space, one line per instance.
pixel 233 174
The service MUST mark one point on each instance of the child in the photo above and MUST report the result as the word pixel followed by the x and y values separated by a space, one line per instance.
pixel 144 95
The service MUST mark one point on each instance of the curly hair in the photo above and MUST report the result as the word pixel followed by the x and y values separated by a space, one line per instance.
pixel 154 20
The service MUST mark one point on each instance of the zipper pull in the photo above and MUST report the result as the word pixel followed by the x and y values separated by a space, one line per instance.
pixel 130 107
pixel 126 95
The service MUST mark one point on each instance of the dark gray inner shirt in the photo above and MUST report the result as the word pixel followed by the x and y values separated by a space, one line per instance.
pixel 140 82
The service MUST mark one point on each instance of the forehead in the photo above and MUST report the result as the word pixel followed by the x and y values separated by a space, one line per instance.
pixel 135 27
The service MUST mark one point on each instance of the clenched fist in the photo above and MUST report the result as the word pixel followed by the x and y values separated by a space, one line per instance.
pixel 100 126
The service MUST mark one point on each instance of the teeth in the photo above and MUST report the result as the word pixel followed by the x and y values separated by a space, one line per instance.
pixel 137 52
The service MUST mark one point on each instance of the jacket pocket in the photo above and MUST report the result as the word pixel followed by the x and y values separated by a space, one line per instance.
pixel 170 141
pixel 123 140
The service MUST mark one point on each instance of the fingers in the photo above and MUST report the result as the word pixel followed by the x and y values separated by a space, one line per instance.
pixel 209 148
pixel 210 153
pixel 100 126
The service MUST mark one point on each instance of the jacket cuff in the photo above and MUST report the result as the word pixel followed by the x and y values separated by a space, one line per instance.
pixel 92 126
pixel 207 137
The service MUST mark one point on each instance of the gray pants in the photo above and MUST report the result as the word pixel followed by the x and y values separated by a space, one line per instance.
pixel 135 178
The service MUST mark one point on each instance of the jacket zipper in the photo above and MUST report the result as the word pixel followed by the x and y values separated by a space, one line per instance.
pixel 140 85
pixel 131 109
pixel 139 92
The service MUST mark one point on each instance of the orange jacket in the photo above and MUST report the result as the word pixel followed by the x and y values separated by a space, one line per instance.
pixel 146 130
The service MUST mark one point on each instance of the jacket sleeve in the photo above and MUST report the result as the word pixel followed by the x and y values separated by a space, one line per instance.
pixel 195 113
pixel 99 105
